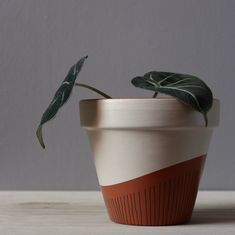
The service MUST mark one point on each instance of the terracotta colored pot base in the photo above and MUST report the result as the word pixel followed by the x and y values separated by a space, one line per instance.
pixel 164 197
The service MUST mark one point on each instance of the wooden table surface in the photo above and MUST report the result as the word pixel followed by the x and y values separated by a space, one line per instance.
pixel 77 212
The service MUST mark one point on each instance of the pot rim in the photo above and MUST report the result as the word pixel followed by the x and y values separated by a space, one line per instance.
pixel 161 112
pixel 160 98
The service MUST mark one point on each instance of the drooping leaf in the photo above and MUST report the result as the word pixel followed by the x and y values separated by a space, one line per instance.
pixel 186 88
pixel 61 96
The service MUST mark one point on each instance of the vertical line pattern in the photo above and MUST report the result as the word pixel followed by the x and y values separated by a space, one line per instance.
pixel 114 210
pixel 123 201
pixel 141 215
pixel 183 193
pixel 154 205
pixel 177 197
pixel 150 207
pixel 136 212
pixel 121 210
pixel 132 209
pixel 165 202
pixel 146 207
pixel 128 209
pixel 159 204
pixel 169 202
pixel 172 199
pixel 117 209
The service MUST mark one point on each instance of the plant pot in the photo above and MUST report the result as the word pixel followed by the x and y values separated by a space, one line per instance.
pixel 149 156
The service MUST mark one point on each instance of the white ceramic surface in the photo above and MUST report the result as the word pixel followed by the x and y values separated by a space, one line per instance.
pixel 134 137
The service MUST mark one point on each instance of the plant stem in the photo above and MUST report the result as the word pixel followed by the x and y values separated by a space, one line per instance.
pixel 93 89
pixel 206 119
pixel 155 94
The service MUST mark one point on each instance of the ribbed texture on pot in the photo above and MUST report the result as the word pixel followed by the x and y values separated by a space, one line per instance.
pixel 165 197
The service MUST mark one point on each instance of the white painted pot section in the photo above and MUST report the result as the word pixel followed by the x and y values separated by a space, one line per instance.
pixel 131 138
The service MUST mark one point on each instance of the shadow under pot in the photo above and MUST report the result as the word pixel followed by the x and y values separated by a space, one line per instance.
pixel 149 156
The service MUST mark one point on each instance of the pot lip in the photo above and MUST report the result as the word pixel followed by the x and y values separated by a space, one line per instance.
pixel 157 99
pixel 159 103
pixel 164 112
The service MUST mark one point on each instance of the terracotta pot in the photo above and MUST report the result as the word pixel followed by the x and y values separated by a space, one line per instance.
pixel 149 155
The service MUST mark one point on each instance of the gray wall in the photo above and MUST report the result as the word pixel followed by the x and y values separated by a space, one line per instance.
pixel 39 40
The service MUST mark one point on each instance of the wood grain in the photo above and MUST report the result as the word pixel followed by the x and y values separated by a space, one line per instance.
pixel 70 212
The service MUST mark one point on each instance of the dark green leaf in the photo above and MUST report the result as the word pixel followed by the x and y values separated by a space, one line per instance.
pixel 60 97
pixel 186 88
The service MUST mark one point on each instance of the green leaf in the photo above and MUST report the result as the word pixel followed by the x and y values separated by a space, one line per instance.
pixel 186 88
pixel 60 97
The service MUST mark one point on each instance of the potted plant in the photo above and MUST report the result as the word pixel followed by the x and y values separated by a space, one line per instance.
pixel 149 153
